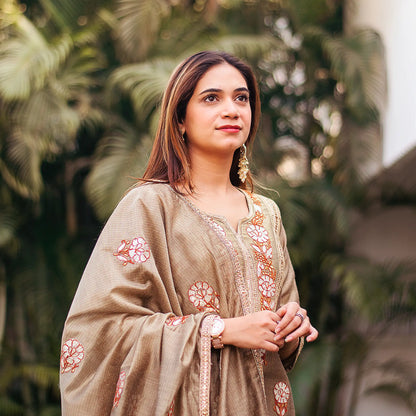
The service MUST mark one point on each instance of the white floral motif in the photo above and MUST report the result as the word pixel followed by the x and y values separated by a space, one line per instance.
pixel 264 250
pixel 204 297
pixel 263 253
pixel 281 395
pixel 267 286
pixel 175 320
pixel 119 389
pixel 71 355
pixel 258 233
pixel 139 250
pixel 136 251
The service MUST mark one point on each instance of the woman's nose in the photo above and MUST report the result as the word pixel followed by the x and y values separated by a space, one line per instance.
pixel 230 109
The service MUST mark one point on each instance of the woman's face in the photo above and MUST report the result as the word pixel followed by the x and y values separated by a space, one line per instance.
pixel 218 115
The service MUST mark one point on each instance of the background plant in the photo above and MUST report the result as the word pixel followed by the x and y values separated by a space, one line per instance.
pixel 80 84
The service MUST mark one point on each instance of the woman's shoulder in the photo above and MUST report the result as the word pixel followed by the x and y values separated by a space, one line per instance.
pixel 151 194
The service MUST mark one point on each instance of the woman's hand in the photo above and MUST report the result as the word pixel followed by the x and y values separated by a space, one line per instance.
pixel 293 324
pixel 253 331
pixel 269 330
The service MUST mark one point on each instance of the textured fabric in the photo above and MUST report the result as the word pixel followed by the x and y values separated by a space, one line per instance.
pixel 133 341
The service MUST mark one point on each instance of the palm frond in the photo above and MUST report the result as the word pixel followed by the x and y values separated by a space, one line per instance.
pixel 139 23
pixel 357 153
pixel 143 83
pixel 8 225
pixel 305 12
pixel 48 123
pixel 21 168
pixel 403 391
pixel 27 60
pixel 120 159
pixel 251 47
pixel 358 62
pixel 76 75
pixel 331 203
pixel 64 13
pixel 98 24
pixel 378 292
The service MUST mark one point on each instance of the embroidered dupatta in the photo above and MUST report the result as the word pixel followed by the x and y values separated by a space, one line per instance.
pixel 136 340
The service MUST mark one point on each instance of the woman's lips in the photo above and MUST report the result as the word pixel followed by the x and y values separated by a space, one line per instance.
pixel 229 129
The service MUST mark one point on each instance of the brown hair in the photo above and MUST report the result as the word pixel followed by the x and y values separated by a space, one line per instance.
pixel 169 159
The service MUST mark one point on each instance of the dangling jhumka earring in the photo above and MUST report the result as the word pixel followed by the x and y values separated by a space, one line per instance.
pixel 243 164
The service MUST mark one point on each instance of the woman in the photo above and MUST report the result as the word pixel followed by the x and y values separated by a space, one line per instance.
pixel 188 304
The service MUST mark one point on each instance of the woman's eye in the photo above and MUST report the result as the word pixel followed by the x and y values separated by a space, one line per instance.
pixel 210 98
pixel 243 98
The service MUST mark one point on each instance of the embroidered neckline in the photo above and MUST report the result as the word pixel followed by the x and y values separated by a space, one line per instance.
pixel 221 218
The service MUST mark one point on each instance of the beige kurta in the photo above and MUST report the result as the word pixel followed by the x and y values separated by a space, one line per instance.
pixel 136 340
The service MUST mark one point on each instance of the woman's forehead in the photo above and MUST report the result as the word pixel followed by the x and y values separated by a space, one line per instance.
pixel 221 76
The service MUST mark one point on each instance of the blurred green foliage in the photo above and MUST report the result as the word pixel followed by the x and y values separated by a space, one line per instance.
pixel 80 83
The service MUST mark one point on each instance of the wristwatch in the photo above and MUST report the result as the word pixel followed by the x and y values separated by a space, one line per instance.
pixel 216 332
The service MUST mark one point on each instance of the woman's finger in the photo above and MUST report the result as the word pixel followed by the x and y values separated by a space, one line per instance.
pixel 291 321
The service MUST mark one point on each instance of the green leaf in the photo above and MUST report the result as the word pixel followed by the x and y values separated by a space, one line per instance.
pixel 143 83
pixel 139 23
pixel 27 60
pixel 120 159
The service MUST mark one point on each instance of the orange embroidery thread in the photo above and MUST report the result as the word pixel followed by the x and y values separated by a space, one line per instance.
pixel 171 408
pixel 72 354
pixel 175 320
pixel 204 297
pixel 281 398
pixel 119 389
pixel 263 253
pixel 135 251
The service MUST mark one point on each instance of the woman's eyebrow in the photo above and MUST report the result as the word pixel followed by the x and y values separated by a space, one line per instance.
pixel 220 90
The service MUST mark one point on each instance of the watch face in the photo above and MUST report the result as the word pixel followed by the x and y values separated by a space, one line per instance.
pixel 217 327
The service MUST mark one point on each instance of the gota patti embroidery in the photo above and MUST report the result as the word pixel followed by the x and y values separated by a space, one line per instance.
pixel 119 389
pixel 205 365
pixel 134 251
pixel 239 277
pixel 281 398
pixel 204 297
pixel 171 408
pixel 175 321
pixel 72 354
pixel 263 253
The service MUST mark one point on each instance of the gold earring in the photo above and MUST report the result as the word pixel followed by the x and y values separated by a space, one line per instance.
pixel 183 137
pixel 243 164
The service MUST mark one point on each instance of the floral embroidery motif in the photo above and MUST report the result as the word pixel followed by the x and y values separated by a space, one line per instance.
pixel 263 253
pixel 171 408
pixel 119 389
pixel 135 251
pixel 71 355
pixel 281 398
pixel 204 297
pixel 176 320
pixel 258 233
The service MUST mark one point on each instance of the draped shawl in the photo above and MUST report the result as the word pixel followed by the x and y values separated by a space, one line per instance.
pixel 136 340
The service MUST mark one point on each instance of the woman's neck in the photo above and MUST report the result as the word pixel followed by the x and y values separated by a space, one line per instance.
pixel 211 176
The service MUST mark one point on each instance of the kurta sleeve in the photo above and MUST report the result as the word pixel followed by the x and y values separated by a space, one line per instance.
pixel 125 331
